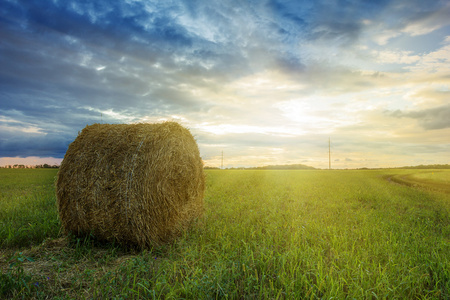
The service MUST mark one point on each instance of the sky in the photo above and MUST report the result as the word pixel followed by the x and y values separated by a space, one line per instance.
pixel 266 82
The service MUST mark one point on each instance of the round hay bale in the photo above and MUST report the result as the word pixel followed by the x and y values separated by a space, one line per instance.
pixel 141 184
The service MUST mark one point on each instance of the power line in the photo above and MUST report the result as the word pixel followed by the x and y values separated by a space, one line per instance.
pixel 329 153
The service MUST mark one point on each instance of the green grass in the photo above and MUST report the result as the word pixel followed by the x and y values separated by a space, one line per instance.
pixel 27 207
pixel 265 234
pixel 427 179
pixel 434 176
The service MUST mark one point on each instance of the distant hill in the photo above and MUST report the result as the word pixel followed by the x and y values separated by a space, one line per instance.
pixel 305 167
pixel 427 167
pixel 283 167
pixel 270 167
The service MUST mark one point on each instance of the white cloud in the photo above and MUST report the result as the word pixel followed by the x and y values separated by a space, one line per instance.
pixel 16 126
pixel 429 23
pixel 396 57
pixel 110 114
pixel 382 37
pixel 436 62
pixel 222 129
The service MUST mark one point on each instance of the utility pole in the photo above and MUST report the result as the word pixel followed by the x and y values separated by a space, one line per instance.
pixel 222 161
pixel 329 153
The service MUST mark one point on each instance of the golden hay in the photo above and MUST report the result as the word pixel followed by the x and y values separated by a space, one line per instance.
pixel 139 184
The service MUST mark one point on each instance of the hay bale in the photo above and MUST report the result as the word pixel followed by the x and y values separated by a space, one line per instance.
pixel 141 184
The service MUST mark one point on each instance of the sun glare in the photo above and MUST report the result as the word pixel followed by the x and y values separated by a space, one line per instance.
pixel 222 129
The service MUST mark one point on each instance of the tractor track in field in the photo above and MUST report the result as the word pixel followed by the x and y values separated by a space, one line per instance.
pixel 406 180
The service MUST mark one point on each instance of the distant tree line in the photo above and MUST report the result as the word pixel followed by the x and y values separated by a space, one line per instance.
pixel 304 167
pixel 270 167
pixel 446 166
pixel 46 166
pixel 19 166
pixel 283 167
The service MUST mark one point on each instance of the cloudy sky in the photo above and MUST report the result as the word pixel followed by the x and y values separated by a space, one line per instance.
pixel 266 82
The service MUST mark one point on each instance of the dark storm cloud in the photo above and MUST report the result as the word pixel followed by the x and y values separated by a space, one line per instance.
pixel 50 145
pixel 429 119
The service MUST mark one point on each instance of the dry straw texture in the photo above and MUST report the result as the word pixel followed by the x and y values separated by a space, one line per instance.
pixel 139 184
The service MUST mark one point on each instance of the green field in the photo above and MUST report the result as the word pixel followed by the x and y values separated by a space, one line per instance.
pixel 440 177
pixel 312 234
pixel 428 179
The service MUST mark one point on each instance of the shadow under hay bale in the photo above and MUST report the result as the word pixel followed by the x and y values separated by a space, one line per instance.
pixel 140 184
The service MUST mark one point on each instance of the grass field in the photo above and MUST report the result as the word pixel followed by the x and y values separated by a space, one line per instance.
pixel 434 176
pixel 265 235
pixel 428 179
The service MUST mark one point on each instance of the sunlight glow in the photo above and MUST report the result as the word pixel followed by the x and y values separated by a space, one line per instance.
pixel 222 129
